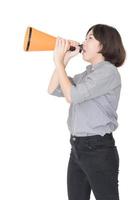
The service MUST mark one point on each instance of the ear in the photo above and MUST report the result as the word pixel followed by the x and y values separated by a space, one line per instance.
pixel 100 47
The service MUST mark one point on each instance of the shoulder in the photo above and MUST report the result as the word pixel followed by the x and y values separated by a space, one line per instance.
pixel 109 68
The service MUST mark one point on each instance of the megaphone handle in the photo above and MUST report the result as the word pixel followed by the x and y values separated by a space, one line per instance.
pixel 73 48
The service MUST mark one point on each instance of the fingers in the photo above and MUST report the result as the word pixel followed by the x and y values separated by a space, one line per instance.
pixel 74 43
pixel 59 42
pixel 62 43
pixel 67 46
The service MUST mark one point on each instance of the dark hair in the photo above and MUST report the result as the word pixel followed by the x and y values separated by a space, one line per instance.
pixel 113 49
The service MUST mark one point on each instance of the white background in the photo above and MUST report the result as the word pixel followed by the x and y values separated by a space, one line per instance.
pixel 34 138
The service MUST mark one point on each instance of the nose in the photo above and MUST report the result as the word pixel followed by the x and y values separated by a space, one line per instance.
pixel 83 46
pixel 84 42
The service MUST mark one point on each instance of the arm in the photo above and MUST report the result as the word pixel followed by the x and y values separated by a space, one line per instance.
pixel 64 81
pixel 53 82
pixel 61 48
pixel 55 87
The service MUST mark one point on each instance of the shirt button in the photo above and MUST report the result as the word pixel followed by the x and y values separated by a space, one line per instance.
pixel 90 147
pixel 74 138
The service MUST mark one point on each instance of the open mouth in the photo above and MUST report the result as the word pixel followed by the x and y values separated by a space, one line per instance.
pixel 83 51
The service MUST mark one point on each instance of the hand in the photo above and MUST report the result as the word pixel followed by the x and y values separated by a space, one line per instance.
pixel 70 54
pixel 61 52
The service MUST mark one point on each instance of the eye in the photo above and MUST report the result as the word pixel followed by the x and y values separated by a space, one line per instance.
pixel 90 37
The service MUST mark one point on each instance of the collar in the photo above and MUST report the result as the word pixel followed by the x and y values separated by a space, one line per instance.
pixel 92 67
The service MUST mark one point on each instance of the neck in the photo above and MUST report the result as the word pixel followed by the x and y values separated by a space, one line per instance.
pixel 97 60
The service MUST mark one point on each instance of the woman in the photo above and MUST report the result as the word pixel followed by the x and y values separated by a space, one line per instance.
pixel 93 96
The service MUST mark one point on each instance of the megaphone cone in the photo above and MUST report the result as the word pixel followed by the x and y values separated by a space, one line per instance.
pixel 36 40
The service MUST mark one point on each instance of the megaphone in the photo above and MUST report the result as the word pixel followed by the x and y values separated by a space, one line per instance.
pixel 36 40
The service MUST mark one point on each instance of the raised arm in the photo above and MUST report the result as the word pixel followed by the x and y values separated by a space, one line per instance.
pixel 53 82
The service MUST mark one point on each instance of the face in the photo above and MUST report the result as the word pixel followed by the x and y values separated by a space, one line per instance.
pixel 91 47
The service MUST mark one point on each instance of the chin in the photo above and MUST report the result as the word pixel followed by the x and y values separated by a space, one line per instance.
pixel 86 59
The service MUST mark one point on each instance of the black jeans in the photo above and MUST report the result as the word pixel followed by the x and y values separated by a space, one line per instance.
pixel 93 165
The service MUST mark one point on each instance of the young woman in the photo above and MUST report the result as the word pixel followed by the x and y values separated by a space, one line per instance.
pixel 93 96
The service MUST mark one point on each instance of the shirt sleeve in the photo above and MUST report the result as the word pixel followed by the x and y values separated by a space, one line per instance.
pixel 97 83
pixel 58 91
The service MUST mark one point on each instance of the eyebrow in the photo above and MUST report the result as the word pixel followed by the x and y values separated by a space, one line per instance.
pixel 89 35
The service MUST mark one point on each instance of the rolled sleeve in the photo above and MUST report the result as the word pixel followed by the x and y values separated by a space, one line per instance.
pixel 95 84
pixel 58 91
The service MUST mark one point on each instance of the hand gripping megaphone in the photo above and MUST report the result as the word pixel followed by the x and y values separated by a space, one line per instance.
pixel 36 40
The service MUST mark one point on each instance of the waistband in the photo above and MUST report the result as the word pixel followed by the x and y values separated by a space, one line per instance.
pixel 108 137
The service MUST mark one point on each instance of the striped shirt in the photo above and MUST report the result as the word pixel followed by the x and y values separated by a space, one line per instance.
pixel 94 100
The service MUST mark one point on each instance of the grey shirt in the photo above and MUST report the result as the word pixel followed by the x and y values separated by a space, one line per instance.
pixel 95 95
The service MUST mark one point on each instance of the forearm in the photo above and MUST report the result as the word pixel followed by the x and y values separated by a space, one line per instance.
pixel 53 82
pixel 54 78
pixel 64 81
pixel 62 53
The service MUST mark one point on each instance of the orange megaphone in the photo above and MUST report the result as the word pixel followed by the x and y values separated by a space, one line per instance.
pixel 36 40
